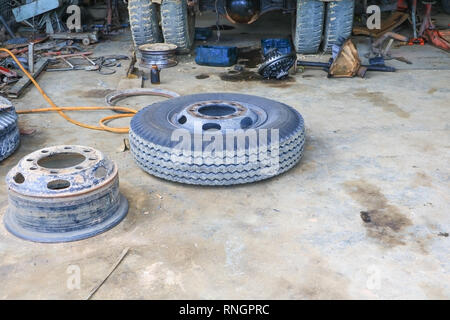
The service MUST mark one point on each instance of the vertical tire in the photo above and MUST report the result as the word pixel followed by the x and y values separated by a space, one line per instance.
pixel 338 22
pixel 144 22
pixel 446 6
pixel 178 24
pixel 9 129
pixel 307 26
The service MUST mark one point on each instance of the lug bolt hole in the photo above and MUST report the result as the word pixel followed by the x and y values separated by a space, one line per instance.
pixel 19 178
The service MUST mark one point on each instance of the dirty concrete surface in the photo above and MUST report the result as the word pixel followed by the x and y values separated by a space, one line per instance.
pixel 365 214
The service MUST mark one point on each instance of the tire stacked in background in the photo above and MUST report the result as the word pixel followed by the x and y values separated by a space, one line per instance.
pixel 318 22
pixel 9 129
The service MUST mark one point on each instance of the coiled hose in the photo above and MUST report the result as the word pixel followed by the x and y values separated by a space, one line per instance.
pixel 102 123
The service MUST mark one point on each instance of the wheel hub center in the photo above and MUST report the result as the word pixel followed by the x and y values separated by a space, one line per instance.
pixel 219 110
pixel 219 115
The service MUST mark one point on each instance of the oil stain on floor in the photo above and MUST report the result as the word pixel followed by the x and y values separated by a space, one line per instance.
pixel 250 76
pixel 380 100
pixel 382 220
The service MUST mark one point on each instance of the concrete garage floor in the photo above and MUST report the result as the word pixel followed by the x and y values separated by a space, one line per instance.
pixel 378 144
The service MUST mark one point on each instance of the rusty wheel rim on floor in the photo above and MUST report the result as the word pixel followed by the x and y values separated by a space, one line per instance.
pixel 63 193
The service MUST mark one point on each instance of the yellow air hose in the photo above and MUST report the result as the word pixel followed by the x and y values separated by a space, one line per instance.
pixel 102 126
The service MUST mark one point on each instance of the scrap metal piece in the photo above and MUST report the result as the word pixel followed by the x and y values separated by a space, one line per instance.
pixel 85 37
pixel 31 57
pixel 389 24
pixel 63 193
pixel 160 54
pixel 277 65
pixel 34 8
pixel 9 129
pixel 347 61
pixel 20 86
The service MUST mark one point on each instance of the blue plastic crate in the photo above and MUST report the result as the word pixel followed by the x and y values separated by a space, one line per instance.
pixel 283 45
pixel 216 56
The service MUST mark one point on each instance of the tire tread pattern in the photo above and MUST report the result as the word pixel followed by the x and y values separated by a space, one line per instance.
pixel 177 27
pixel 338 22
pixel 308 26
pixel 144 22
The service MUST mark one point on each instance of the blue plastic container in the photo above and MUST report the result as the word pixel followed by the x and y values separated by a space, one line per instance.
pixel 216 56
pixel 283 45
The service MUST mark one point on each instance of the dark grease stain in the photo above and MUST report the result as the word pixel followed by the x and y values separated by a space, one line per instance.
pixel 380 100
pixel 365 216
pixel 250 76
pixel 251 58
pixel 202 76
pixel 382 220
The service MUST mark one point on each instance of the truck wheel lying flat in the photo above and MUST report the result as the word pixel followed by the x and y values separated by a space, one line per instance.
pixel 178 24
pixel 338 22
pixel 199 121
pixel 144 22
pixel 307 26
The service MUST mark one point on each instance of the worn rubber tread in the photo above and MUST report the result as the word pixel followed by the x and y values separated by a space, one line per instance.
pixel 144 22
pixel 178 26
pixel 308 26
pixel 9 130
pixel 241 165
pixel 153 152
pixel 338 22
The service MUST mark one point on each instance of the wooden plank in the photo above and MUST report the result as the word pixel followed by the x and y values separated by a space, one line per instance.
pixel 18 88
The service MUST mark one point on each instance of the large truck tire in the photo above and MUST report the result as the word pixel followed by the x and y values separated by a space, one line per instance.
pixel 178 24
pixel 144 22
pixel 307 26
pixel 338 22
pixel 9 129
pixel 157 130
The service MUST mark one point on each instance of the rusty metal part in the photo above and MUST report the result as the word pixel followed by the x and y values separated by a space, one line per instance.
pixel 439 38
pixel 120 94
pixel 63 193
pixel 160 54
pixel 428 31
pixel 389 24
pixel 346 63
